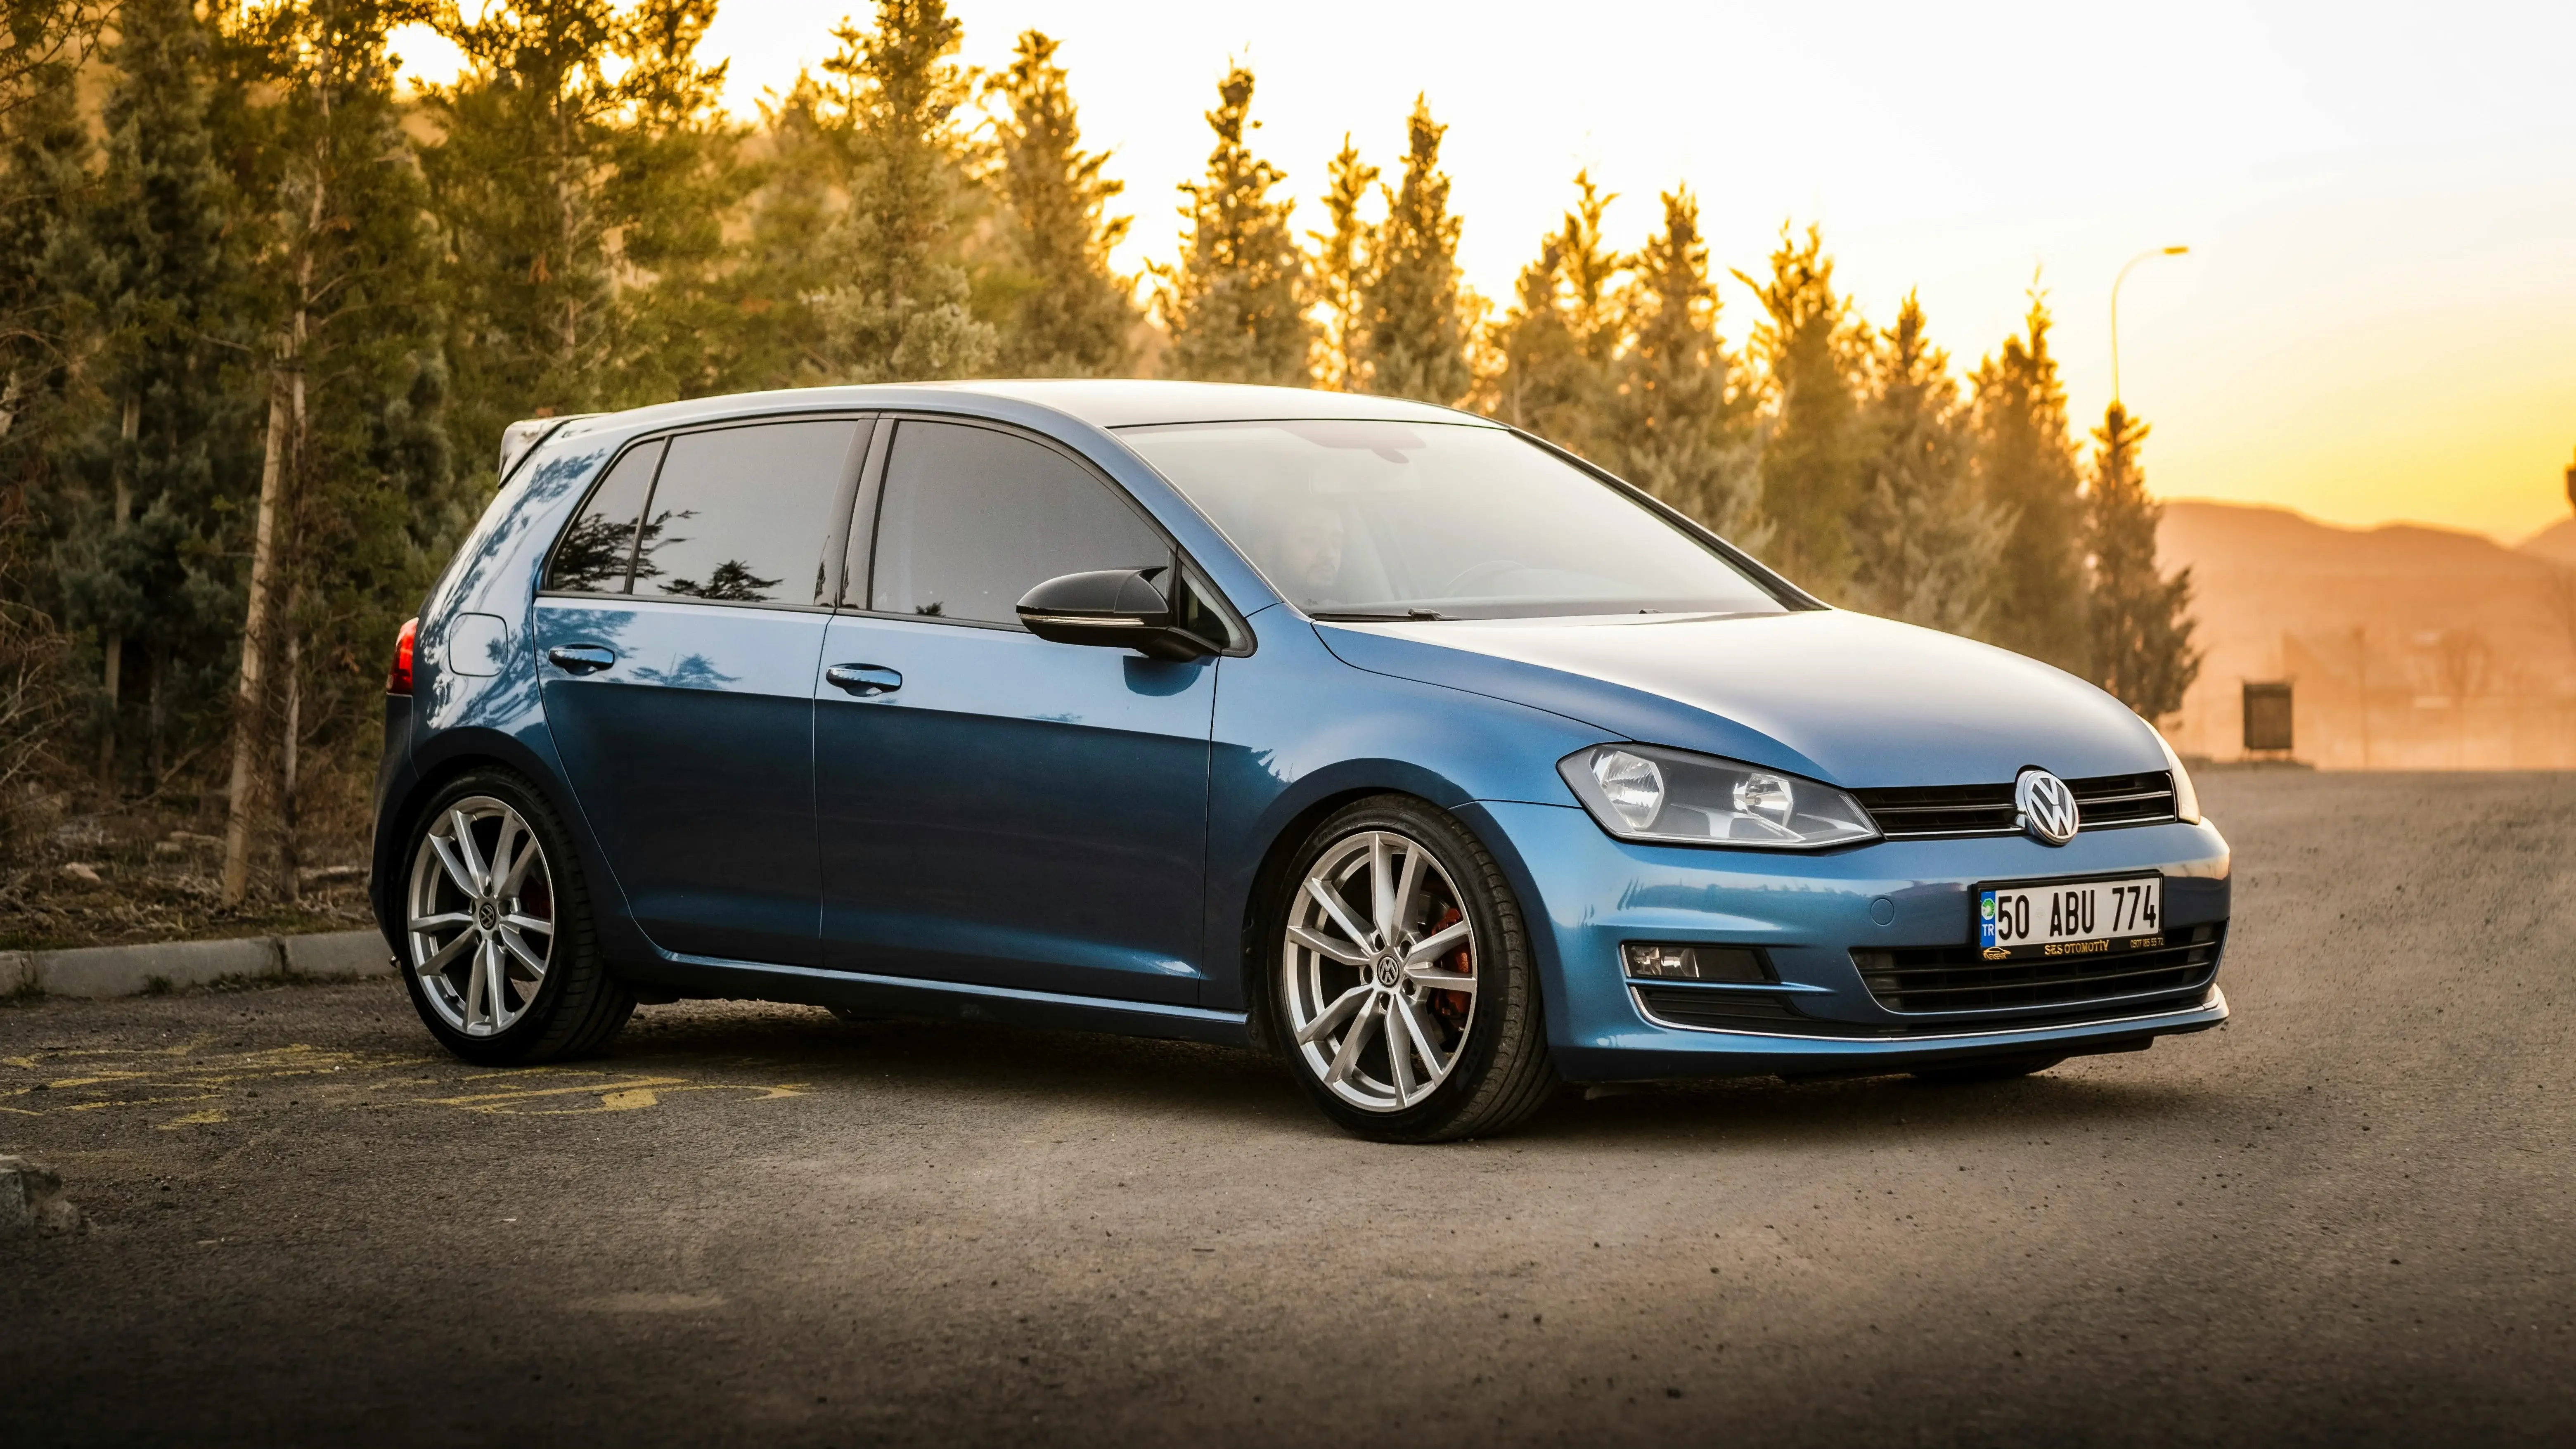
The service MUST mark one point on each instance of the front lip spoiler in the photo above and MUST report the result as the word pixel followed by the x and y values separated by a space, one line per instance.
pixel 2210 1012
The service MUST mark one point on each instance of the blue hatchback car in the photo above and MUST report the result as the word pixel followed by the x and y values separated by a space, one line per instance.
pixel 1380 736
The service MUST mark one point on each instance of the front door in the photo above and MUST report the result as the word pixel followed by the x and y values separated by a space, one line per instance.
pixel 678 671
pixel 994 808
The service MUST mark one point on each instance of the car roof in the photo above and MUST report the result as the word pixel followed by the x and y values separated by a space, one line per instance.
pixel 1101 402
pixel 1140 402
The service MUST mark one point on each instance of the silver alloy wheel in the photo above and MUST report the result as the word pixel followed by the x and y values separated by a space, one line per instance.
pixel 1378 963
pixel 481 908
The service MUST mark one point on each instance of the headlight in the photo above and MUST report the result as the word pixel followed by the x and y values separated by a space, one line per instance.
pixel 1645 792
pixel 2186 799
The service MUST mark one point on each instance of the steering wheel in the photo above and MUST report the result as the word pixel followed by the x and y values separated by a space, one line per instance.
pixel 1492 568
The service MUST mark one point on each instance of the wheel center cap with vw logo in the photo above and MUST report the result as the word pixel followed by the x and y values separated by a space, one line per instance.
pixel 2047 807
pixel 487 915
pixel 1386 971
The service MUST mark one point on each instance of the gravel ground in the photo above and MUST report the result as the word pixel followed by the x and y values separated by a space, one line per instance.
pixel 2342 1219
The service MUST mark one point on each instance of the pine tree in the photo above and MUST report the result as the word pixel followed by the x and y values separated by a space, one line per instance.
pixel 676 175
pixel 44 189
pixel 146 561
pixel 46 38
pixel 1339 267
pixel 1558 341
pixel 903 314
pixel 1412 341
pixel 1074 316
pixel 801 191
pixel 577 166
pixel 1234 303
pixel 355 482
pixel 2025 463
pixel 1683 429
pixel 2141 619
pixel 515 176
pixel 1811 347
pixel 1924 541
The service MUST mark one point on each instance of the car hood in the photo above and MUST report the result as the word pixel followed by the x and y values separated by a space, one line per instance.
pixel 1841 697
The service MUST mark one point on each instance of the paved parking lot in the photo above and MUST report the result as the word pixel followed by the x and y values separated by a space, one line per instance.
pixel 2344 1218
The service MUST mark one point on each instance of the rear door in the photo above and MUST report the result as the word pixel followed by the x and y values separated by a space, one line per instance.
pixel 677 637
pixel 994 808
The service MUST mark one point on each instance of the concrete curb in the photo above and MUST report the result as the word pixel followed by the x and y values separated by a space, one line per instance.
pixel 98 971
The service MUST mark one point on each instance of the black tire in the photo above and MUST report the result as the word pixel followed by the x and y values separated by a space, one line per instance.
pixel 1998 1069
pixel 578 1005
pixel 1499 1070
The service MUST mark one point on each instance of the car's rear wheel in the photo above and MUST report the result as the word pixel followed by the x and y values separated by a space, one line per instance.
pixel 497 944
pixel 1993 1070
pixel 1405 996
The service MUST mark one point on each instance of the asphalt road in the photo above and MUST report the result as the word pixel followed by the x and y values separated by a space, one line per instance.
pixel 2345 1218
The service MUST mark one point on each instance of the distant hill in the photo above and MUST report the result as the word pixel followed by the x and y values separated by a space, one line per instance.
pixel 2556 543
pixel 2441 615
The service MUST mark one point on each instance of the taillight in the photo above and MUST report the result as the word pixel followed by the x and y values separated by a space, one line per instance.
pixel 398 680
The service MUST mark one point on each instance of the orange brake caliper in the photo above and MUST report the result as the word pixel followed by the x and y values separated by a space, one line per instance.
pixel 1452 1005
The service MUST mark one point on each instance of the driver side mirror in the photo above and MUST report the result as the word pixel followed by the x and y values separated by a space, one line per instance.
pixel 1118 608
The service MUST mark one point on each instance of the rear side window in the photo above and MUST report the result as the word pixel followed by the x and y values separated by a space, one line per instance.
pixel 972 519
pixel 596 550
pixel 739 515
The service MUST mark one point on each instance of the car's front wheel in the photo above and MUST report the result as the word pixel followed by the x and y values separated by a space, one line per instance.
pixel 1406 998
pixel 497 945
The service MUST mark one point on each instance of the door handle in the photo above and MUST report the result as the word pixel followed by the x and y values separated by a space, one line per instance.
pixel 582 658
pixel 867 681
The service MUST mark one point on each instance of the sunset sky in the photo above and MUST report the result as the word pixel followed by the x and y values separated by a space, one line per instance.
pixel 2377 320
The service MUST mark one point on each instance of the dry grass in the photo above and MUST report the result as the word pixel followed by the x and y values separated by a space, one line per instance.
pixel 79 875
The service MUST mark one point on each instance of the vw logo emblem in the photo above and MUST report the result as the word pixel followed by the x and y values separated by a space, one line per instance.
pixel 2047 807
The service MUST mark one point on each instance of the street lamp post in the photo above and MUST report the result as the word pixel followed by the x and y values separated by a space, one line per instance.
pixel 2115 307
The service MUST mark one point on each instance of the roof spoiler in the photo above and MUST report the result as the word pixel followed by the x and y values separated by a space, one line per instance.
pixel 520 439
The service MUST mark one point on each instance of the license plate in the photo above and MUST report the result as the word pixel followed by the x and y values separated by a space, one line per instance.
pixel 2071 917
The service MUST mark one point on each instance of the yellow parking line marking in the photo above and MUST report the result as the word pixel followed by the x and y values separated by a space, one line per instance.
pixel 498 1101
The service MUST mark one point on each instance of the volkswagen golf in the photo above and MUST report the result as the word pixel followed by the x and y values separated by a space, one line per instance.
pixel 1383 737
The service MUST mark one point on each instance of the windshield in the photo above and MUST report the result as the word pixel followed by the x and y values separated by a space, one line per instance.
pixel 1453 521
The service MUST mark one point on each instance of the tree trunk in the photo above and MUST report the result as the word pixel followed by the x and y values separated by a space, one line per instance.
pixel 112 645
pixel 152 718
pixel 263 563
pixel 281 455
pixel 289 856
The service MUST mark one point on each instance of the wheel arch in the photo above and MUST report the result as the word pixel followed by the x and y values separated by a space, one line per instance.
pixel 1260 1018
pixel 440 762
pixel 1288 836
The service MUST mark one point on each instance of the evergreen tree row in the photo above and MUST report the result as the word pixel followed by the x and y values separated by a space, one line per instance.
pixel 265 310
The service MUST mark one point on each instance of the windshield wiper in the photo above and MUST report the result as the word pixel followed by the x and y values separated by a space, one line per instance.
pixel 1364 616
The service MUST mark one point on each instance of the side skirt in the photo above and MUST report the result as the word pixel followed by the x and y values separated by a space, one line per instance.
pixel 704 976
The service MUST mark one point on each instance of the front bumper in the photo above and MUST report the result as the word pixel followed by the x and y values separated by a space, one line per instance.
pixel 1586 893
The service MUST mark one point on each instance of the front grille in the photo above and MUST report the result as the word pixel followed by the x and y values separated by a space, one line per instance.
pixel 1959 978
pixel 1927 812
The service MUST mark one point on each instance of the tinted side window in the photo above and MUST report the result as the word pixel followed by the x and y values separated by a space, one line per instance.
pixel 973 519
pixel 740 514
pixel 595 551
